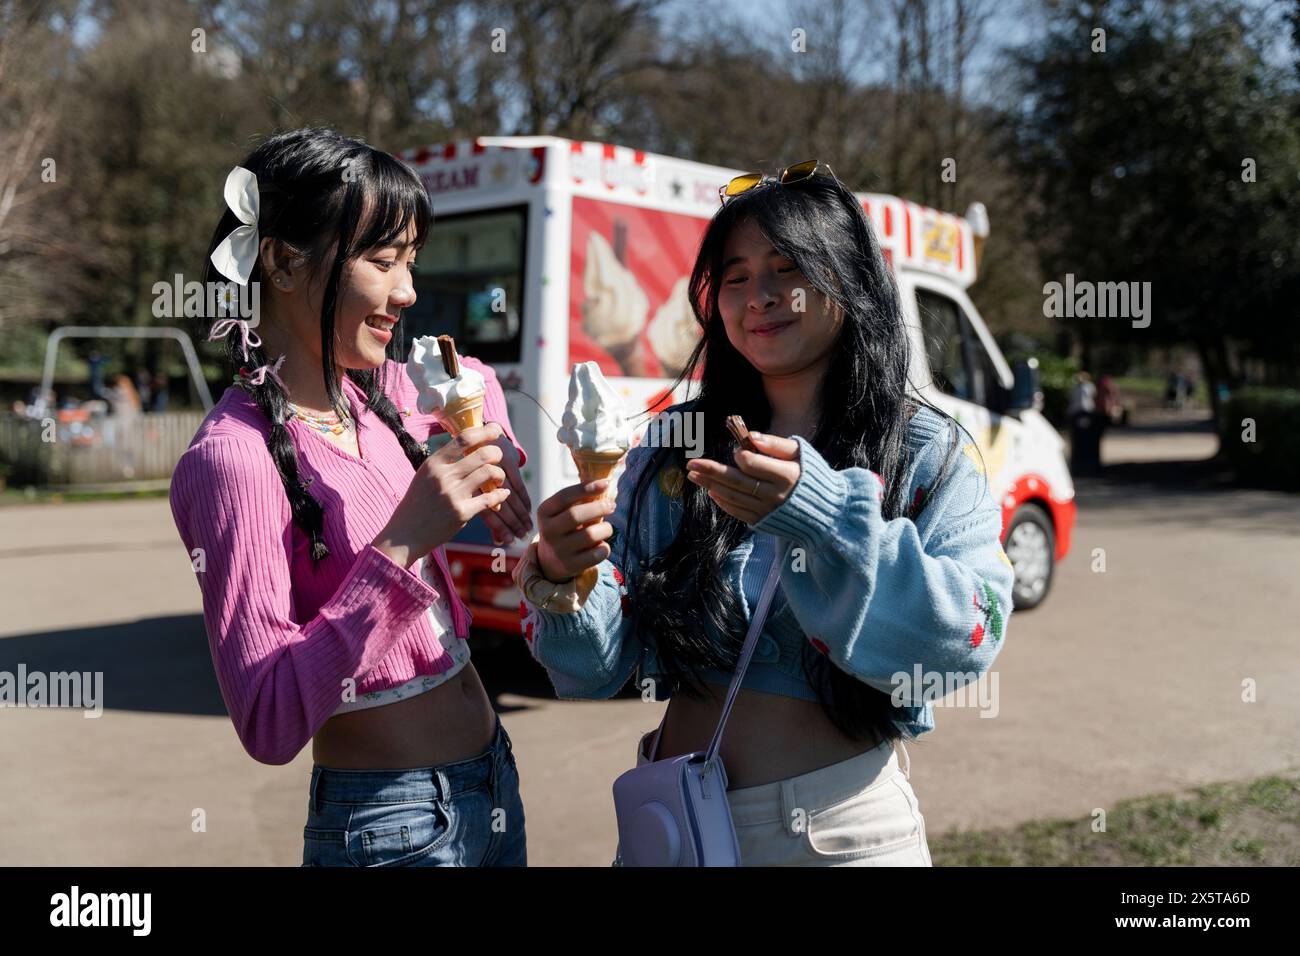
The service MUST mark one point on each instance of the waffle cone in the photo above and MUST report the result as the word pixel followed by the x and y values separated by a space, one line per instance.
pixel 461 415
pixel 595 465
pixel 466 413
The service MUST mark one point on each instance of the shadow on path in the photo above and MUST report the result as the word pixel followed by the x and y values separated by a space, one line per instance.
pixel 1201 492
pixel 162 664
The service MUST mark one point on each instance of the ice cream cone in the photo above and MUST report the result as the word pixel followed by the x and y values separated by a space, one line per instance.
pixel 595 465
pixel 461 415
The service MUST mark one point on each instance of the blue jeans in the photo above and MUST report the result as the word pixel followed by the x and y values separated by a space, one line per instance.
pixel 466 813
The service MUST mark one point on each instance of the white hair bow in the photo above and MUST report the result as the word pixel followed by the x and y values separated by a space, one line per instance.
pixel 237 253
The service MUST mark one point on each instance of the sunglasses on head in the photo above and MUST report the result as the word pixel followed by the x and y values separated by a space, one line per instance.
pixel 791 174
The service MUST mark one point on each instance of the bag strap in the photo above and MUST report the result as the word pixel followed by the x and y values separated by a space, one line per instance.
pixel 751 642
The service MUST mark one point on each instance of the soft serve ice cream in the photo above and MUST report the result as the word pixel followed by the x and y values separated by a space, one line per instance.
pixel 593 419
pixel 449 390
pixel 594 426
pixel 438 388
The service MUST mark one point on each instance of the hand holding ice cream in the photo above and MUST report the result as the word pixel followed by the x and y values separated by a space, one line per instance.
pixel 450 391
pixel 573 529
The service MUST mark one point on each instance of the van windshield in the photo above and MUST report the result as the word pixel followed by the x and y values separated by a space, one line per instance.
pixel 941 328
pixel 469 283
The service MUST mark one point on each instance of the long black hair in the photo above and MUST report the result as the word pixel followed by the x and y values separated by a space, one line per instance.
pixel 865 404
pixel 328 198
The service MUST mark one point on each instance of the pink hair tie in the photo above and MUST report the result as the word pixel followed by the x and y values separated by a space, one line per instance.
pixel 258 375
pixel 223 327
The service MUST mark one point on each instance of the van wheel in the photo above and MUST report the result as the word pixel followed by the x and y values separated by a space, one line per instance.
pixel 1031 546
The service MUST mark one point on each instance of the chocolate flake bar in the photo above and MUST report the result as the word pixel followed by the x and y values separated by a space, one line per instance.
pixel 450 362
pixel 736 425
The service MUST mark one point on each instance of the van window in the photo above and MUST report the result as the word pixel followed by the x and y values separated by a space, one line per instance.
pixel 988 387
pixel 469 283
pixel 958 360
pixel 941 327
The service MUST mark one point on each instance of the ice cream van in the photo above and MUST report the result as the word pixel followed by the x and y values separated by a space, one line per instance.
pixel 546 252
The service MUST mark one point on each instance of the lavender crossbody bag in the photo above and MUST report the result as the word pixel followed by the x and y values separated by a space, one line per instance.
pixel 674 812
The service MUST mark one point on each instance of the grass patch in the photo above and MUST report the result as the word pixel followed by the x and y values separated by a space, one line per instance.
pixel 46 496
pixel 1255 823
pixel 1152 390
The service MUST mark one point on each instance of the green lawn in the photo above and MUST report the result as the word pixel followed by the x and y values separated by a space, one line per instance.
pixel 20 496
pixel 1152 390
pixel 1255 823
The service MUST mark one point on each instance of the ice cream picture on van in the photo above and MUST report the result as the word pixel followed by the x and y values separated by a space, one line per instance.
pixel 614 312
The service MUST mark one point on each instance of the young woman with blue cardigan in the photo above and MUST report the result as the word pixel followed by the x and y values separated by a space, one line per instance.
pixel 894 546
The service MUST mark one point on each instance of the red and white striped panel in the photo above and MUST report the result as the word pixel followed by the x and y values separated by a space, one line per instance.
pixel 613 166
pixel 443 151
pixel 920 237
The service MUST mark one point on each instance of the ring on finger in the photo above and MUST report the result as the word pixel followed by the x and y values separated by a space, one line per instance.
pixel 755 491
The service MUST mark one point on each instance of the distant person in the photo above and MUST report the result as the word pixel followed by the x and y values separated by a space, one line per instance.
pixel 96 362
pixel 35 404
pixel 123 399
pixel 124 406
pixel 144 388
pixel 160 393
pixel 1112 408
pixel 1085 428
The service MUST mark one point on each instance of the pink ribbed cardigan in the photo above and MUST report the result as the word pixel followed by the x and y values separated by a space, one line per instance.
pixel 286 635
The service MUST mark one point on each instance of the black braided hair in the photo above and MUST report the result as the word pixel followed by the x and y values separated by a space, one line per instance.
pixel 328 198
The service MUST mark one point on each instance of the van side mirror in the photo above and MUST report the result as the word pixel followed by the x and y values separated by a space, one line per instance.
pixel 1025 391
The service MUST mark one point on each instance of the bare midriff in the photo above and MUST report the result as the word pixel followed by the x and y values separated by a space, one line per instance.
pixel 769 737
pixel 452 722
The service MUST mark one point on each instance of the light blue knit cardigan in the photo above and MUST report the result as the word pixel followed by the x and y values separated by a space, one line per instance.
pixel 879 597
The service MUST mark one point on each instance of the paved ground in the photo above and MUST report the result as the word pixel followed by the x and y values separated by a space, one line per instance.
pixel 1124 683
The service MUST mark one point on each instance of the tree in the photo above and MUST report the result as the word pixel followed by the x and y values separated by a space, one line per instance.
pixel 34 57
pixel 1169 158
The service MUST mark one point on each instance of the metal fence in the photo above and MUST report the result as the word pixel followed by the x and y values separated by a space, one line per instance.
pixel 68 449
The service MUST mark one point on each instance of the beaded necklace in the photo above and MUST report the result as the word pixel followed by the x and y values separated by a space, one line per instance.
pixel 332 423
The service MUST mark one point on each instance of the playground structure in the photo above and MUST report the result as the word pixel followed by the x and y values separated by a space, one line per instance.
pixel 87 448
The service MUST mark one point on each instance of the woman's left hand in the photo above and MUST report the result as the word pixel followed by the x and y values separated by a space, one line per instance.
pixel 514 520
pixel 758 484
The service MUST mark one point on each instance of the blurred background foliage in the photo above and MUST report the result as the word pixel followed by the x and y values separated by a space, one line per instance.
pixel 1122 164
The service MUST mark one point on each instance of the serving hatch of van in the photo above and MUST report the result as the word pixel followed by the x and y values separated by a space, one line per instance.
pixel 546 252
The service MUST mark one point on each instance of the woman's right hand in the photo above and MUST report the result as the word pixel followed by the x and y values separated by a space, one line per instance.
pixel 444 495
pixel 573 532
